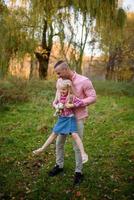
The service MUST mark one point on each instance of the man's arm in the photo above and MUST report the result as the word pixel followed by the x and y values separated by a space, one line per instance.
pixel 56 99
pixel 90 94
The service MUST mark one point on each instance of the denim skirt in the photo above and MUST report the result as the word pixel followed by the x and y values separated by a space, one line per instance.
pixel 65 125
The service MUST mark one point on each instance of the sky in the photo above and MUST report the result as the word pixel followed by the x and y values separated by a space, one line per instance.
pixel 128 5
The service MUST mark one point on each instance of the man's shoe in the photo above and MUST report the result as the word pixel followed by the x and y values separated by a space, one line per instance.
pixel 78 178
pixel 56 170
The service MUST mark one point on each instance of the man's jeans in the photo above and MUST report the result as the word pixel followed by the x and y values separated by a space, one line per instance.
pixel 60 148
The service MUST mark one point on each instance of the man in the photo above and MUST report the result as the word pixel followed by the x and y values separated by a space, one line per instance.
pixel 83 89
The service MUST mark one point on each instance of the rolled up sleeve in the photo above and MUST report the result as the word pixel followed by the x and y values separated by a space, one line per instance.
pixel 90 93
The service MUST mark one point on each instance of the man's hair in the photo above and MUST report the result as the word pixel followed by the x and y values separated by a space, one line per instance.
pixel 59 62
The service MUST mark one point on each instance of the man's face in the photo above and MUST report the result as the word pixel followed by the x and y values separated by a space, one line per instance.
pixel 61 72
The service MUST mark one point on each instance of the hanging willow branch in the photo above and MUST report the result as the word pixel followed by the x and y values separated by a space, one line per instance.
pixel 47 18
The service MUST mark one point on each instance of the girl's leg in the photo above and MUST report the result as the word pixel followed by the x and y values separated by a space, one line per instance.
pixel 78 141
pixel 46 144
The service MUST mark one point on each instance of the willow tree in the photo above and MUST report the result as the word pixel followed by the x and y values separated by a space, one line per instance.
pixel 53 19
pixel 121 54
pixel 74 36
pixel 14 35
pixel 111 40
pixel 3 11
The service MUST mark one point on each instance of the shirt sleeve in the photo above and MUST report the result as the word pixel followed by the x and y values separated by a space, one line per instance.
pixel 77 102
pixel 89 91
pixel 56 99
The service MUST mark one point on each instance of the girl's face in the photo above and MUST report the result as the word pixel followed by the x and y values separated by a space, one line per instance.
pixel 63 91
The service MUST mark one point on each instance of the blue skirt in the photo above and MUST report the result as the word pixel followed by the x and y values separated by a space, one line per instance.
pixel 65 125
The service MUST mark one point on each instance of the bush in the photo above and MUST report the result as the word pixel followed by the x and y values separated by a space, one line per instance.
pixel 114 88
pixel 12 91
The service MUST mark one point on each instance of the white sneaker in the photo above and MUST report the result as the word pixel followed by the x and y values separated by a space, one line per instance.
pixel 38 151
pixel 84 158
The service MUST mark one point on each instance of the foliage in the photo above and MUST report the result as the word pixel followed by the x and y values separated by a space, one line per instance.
pixel 9 93
pixel 16 38
pixel 64 19
pixel 108 140
pixel 127 47
pixel 26 90
pixel 108 88
pixel 111 34
pixel 120 51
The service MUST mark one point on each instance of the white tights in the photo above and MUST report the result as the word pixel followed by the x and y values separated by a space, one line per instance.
pixel 75 137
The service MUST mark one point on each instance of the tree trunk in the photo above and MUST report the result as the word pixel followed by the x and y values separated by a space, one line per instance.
pixel 43 51
pixel 113 65
pixel 43 67
pixel 110 66
pixel 43 59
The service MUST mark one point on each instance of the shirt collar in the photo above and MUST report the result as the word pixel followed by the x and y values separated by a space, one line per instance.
pixel 74 75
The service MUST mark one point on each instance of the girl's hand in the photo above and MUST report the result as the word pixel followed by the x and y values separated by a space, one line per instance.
pixel 69 105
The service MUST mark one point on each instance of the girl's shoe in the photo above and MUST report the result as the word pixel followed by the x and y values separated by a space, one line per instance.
pixel 38 151
pixel 84 158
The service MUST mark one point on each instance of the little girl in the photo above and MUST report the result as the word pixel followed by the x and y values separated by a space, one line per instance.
pixel 66 123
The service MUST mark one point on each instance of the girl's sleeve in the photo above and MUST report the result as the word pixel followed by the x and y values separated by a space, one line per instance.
pixel 77 102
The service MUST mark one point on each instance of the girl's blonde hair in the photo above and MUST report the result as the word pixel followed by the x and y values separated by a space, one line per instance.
pixel 65 83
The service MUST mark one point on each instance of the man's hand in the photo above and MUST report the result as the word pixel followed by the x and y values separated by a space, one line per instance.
pixel 69 105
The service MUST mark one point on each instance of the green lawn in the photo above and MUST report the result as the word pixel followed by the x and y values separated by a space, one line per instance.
pixel 26 122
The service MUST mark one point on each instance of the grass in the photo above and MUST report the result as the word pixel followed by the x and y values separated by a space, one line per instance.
pixel 25 123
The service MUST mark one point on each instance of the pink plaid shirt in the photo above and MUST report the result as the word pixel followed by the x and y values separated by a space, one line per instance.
pixel 84 90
